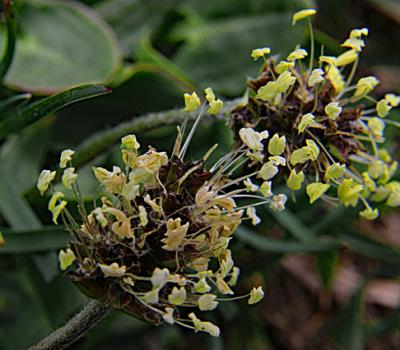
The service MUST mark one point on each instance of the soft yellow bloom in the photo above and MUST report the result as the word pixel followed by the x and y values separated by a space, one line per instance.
pixel 66 156
pixel 222 285
pixel 331 60
pixel 335 77
pixel 307 121
pixel 143 216
pixel 45 178
pixel 276 145
pixel 130 190
pixel 207 302
pixel 250 187
pixel 265 189
pixel 354 43
pixel 113 270
pixel 268 171
pixel 383 107
pixel 192 102
pixel 154 206
pixel 112 180
pixel 66 258
pixel 201 286
pixel 175 234
pixel 369 184
pixel 376 126
pixel 306 153
pixel 316 190
pixel 283 66
pixel 365 86
pixel 168 316
pixel 268 92
pixel 295 180
pixel 256 295
pixel 257 53
pixel 316 77
pixel 252 139
pixel 159 277
pixel 177 296
pixel 297 55
pixel 234 276
pixel 130 142
pixel 394 195
pixel 54 199
pixel 278 202
pixel 69 177
pixel 101 219
pixel 284 82
pixel 151 297
pixel 349 192
pixel 302 14
pixel 358 33
pixel 333 110
pixel 152 160
pixel 393 100
pixel 56 209
pixel 369 213
pixel 335 171
pixel 251 213
pixel 207 327
pixel 122 227
pixel 346 58
pixel 215 105
pixel 376 168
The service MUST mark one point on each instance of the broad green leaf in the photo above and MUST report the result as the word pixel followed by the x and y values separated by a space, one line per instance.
pixel 130 19
pixel 15 121
pixel 217 52
pixel 61 44
pixel 263 243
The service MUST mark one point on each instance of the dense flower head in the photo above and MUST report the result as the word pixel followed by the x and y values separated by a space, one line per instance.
pixel 328 129
pixel 156 243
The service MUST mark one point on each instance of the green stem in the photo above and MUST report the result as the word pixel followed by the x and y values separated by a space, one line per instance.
pixel 9 48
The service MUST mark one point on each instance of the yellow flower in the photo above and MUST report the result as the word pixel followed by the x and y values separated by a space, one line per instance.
pixel 383 107
pixel 316 77
pixel 113 270
pixel 207 302
pixel 284 82
pixel 45 178
pixel 358 33
pixel 151 297
pixel 354 43
pixel 69 177
pixel 252 139
pixel 331 60
pixel 315 190
pixel 143 216
pixel 376 126
pixel 278 202
pixel 130 142
pixel 152 160
pixel 283 66
pixel 333 110
pixel 101 219
pixel 207 327
pixel 66 258
pixel 335 77
pixel 297 55
pixel 365 86
pixel 335 171
pixel 122 227
pixel 306 153
pixel 376 168
pixel 295 180
pixel 66 156
pixel 265 189
pixel 256 295
pixel 192 102
pixel 215 105
pixel 130 190
pixel 276 145
pixel 346 58
pixel 251 213
pixel 369 214
pixel 349 192
pixel 234 276
pixel 369 184
pixel 302 14
pixel 113 181
pixel 393 100
pixel 201 286
pixel 250 187
pixel 268 171
pixel 56 209
pixel 307 121
pixel 168 316
pixel 177 296
pixel 257 53
pixel 222 285
pixel 175 234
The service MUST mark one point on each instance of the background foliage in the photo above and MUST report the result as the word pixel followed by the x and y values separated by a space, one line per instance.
pixel 331 280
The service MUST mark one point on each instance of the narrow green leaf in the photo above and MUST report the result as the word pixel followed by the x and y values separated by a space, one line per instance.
pixel 35 111
pixel 260 242
pixel 326 265
pixel 9 48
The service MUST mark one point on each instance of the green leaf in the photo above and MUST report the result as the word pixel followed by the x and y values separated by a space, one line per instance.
pixel 348 327
pixel 33 241
pixel 217 52
pixel 10 38
pixel 326 264
pixel 260 242
pixel 60 45
pixel 35 111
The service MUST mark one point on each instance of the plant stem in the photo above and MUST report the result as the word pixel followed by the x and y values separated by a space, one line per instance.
pixel 75 328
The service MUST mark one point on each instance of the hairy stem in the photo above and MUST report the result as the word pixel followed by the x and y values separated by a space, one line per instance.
pixel 75 328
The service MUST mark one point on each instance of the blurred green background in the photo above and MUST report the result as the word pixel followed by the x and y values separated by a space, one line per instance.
pixel 331 280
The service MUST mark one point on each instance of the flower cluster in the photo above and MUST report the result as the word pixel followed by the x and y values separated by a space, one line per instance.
pixel 327 132
pixel 156 244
